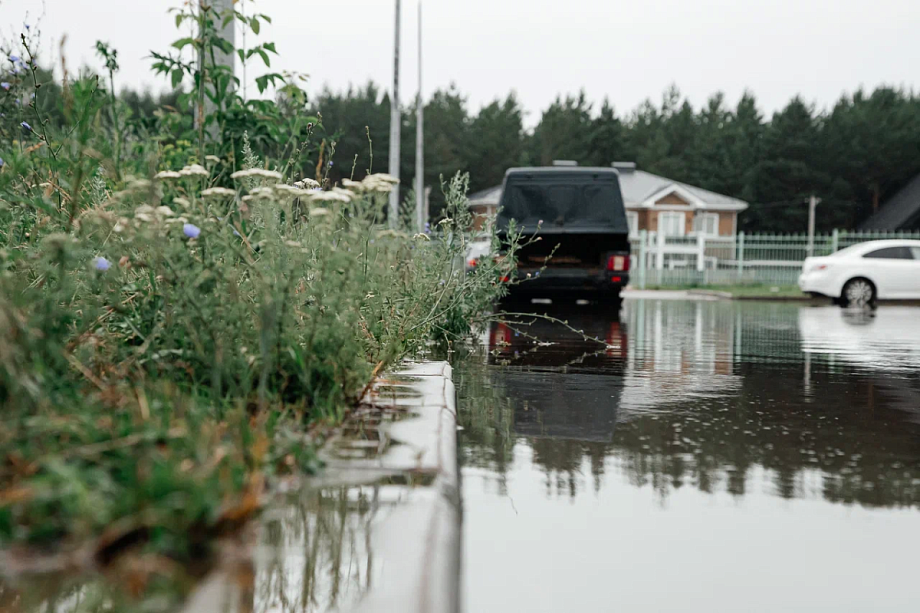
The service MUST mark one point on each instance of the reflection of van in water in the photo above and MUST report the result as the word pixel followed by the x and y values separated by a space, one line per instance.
pixel 583 227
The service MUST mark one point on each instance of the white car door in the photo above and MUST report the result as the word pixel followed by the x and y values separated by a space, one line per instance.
pixel 894 270
pixel 913 284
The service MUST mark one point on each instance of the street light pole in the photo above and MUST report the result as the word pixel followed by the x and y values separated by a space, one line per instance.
pixel 395 121
pixel 812 205
pixel 419 139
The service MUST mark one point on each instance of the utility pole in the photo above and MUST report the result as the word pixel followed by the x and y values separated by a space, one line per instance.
pixel 227 31
pixel 419 139
pixel 812 205
pixel 395 122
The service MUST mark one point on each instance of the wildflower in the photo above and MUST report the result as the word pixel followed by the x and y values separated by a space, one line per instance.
pixel 306 184
pixel 101 263
pixel 167 174
pixel 318 212
pixel 191 230
pixel 26 126
pixel 15 59
pixel 256 172
pixel 427 227
pixel 290 190
pixel 217 191
pixel 212 158
pixel 182 202
pixel 261 192
pixel 27 26
pixel 164 211
pixel 1 162
pixel 540 223
pixel 194 170
pixel 5 86
pixel 330 163
pixel 422 236
pixel 330 196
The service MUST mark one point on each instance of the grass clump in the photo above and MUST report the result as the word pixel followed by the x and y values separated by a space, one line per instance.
pixel 174 319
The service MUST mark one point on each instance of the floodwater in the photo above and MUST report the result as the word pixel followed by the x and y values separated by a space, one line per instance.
pixel 705 456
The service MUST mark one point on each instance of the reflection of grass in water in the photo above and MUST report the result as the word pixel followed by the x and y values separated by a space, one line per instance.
pixel 486 415
pixel 327 533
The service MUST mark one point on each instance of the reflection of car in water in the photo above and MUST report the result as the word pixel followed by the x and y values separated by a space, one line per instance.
pixel 560 385
pixel 885 339
pixel 858 275
pixel 579 218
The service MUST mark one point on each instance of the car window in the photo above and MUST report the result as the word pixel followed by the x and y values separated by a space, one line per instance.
pixel 916 252
pixel 891 253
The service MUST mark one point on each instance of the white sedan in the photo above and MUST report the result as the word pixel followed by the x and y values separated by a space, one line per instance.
pixel 863 273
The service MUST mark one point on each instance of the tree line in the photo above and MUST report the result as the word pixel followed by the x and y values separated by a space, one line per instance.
pixel 853 156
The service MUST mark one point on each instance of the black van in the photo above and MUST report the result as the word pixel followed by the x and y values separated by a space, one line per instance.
pixel 582 223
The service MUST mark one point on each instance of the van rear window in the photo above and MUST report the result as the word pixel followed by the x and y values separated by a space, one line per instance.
pixel 588 205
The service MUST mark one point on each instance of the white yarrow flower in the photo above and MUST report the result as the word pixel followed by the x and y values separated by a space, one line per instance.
pixel 194 170
pixel 306 184
pixel 218 191
pixel 212 158
pixel 318 212
pixel 167 174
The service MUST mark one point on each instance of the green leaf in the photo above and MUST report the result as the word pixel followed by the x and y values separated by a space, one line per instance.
pixel 176 77
pixel 182 42
pixel 254 24
pixel 180 17
pixel 270 47
pixel 266 18
pixel 262 83
pixel 264 55
pixel 240 52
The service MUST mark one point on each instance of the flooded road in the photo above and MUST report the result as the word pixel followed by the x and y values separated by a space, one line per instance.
pixel 707 456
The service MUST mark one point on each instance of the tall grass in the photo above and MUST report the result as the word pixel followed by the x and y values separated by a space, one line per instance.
pixel 176 320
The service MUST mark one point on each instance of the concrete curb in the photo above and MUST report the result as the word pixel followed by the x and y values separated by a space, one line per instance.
pixel 406 450
pixel 422 568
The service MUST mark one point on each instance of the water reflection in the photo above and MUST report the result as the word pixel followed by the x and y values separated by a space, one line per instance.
pixel 706 456
pixel 314 553
pixel 716 396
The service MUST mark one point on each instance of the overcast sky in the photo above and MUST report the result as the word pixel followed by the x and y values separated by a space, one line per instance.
pixel 626 51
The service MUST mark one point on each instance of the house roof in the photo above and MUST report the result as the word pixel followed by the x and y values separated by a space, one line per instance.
pixel 640 188
pixel 487 197
pixel 644 188
pixel 900 210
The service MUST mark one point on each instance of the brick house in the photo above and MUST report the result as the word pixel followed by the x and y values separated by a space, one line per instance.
pixel 653 203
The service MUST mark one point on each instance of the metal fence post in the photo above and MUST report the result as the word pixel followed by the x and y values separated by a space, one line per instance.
pixel 700 253
pixel 740 256
pixel 643 264
pixel 835 241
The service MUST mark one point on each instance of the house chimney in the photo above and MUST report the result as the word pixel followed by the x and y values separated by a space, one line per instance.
pixel 624 167
pixel 565 163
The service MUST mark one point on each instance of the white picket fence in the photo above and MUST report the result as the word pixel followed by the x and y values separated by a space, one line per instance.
pixel 774 259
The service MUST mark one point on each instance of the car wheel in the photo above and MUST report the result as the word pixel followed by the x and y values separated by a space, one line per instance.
pixel 857 292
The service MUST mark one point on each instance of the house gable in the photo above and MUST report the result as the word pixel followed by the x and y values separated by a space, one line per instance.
pixel 672 198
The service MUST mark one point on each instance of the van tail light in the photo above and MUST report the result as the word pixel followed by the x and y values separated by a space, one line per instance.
pixel 618 263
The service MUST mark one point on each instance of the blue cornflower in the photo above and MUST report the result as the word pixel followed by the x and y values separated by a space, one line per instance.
pixel 15 59
pixel 191 230
pixel 28 27
pixel 427 227
pixel 5 86
pixel 330 163
pixel 26 126
pixel 101 263
pixel 2 162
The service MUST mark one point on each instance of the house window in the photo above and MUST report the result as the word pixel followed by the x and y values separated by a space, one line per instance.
pixel 706 224
pixel 632 218
pixel 671 223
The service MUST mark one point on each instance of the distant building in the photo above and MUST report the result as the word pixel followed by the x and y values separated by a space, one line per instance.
pixel 901 212
pixel 653 203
